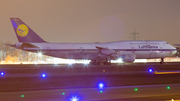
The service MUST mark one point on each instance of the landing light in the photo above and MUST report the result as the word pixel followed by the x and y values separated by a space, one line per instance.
pixel 71 62
pixel 86 62
pixel 120 60
pixel 39 54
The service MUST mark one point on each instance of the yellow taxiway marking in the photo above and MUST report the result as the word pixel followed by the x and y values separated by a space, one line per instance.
pixel 173 72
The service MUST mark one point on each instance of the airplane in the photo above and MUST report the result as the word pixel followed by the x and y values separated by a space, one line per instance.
pixel 98 53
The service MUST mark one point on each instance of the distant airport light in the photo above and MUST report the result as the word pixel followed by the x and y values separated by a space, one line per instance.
pixel 43 75
pixel 63 93
pixel 74 98
pixel 172 99
pixel 135 89
pixel 22 95
pixel 2 73
pixel 101 91
pixel 168 87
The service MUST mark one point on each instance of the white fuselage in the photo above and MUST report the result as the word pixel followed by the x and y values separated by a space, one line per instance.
pixel 141 49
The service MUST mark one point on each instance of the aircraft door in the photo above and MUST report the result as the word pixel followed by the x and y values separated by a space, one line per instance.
pixel 133 50
pixel 48 49
pixel 161 49
pixel 152 55
pixel 81 49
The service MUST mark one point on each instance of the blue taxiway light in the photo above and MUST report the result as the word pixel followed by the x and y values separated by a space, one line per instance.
pixel 2 73
pixel 43 75
pixel 101 85
pixel 74 98
pixel 150 70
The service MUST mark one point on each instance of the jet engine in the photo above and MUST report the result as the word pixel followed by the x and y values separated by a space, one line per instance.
pixel 129 58
pixel 107 51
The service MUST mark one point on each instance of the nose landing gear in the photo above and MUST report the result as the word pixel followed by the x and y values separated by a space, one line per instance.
pixel 162 61
pixel 98 62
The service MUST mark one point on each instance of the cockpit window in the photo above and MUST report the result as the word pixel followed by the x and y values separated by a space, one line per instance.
pixel 167 43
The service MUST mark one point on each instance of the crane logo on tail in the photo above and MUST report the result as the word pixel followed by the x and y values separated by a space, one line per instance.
pixel 22 30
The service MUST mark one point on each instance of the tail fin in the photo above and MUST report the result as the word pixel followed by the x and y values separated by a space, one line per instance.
pixel 23 32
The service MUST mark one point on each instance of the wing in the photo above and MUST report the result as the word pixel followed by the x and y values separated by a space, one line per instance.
pixel 105 50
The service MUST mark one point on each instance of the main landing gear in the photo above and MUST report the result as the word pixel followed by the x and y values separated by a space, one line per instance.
pixel 94 62
pixel 98 62
pixel 162 61
pixel 107 62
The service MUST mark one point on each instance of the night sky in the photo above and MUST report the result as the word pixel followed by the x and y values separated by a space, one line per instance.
pixel 84 21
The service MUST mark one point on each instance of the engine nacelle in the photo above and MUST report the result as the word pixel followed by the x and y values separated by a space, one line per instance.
pixel 18 44
pixel 128 58
pixel 107 51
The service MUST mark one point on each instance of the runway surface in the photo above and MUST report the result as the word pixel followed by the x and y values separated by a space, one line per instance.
pixel 120 81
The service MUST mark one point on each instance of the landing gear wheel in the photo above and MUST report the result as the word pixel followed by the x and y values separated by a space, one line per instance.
pixel 93 62
pixel 107 62
pixel 162 61
pixel 97 63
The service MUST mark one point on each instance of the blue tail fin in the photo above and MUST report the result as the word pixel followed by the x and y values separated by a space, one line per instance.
pixel 23 32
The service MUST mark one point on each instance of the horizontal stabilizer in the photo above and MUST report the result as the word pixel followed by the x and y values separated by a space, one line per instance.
pixel 10 45
pixel 177 44
pixel 101 48
pixel 28 45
